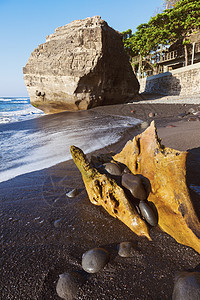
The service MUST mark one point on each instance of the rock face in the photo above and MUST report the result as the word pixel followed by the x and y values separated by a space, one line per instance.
pixel 82 65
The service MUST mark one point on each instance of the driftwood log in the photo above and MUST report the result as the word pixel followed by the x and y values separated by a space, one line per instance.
pixel 165 171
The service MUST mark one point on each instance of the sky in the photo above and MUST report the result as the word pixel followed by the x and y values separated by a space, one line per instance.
pixel 24 24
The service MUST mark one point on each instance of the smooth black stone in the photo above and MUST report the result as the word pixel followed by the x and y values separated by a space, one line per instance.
pixel 148 213
pixel 126 249
pixel 112 169
pixel 68 285
pixel 134 184
pixel 94 260
pixel 187 286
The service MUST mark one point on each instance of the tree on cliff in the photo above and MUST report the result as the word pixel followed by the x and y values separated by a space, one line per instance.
pixel 174 24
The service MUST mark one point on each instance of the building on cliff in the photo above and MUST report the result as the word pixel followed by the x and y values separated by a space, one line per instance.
pixel 168 59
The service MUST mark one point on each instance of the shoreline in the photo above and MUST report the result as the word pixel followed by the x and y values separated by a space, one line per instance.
pixel 41 143
pixel 35 251
pixel 44 128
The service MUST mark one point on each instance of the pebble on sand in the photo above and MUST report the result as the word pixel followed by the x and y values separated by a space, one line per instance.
pixel 187 286
pixel 94 260
pixel 68 285
pixel 73 193
pixel 151 114
pixel 126 249
pixel 57 223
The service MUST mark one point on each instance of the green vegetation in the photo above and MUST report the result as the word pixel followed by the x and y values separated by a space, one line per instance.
pixel 174 24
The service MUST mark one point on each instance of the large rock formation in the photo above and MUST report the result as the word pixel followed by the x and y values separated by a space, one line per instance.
pixel 82 65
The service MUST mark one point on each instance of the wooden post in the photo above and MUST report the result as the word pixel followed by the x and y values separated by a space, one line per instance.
pixel 161 53
pixel 186 55
pixel 193 52
pixel 140 66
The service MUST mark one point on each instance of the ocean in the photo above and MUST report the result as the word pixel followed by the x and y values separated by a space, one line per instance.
pixel 14 109
pixel 31 141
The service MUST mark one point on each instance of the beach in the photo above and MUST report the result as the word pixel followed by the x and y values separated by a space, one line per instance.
pixel 44 233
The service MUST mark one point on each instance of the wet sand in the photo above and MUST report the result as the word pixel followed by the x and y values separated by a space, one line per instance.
pixel 35 251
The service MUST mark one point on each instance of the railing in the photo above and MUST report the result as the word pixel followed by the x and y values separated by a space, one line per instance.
pixel 160 58
pixel 165 56
pixel 197 47
pixel 168 56
pixel 138 58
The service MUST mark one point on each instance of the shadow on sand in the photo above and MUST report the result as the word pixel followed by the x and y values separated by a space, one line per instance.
pixel 192 177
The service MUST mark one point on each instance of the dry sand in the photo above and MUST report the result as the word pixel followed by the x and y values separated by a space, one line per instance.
pixel 35 252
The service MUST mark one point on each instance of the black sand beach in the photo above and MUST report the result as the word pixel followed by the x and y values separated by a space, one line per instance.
pixel 35 249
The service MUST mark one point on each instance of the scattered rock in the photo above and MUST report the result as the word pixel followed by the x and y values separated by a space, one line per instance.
pixel 113 169
pixel 151 114
pixel 134 184
pixel 192 119
pixel 148 213
pixel 82 65
pixel 191 111
pixel 57 223
pixel 68 285
pixel 187 286
pixel 94 260
pixel 73 193
pixel 126 249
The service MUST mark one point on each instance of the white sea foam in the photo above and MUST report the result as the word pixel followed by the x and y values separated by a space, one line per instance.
pixel 25 151
pixel 5 99
pixel 17 109
pixel 29 112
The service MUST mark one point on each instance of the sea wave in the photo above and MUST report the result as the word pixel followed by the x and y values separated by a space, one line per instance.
pixel 36 148
pixel 9 99
pixel 18 110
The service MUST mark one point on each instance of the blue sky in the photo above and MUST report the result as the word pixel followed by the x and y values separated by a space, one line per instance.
pixel 25 24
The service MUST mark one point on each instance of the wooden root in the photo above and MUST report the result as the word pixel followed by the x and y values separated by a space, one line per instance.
pixel 104 191
pixel 165 169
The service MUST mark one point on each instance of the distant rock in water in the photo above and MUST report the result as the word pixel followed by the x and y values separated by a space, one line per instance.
pixel 82 65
